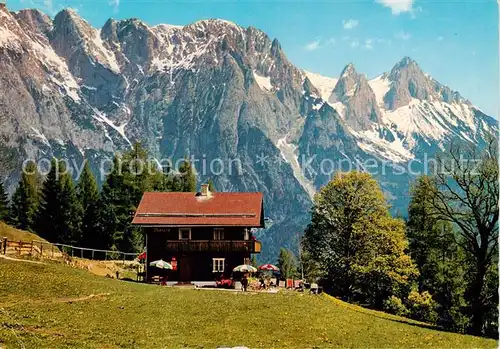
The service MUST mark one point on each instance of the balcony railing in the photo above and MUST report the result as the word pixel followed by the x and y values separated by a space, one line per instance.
pixel 250 246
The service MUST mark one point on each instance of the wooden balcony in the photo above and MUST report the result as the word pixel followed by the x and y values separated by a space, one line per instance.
pixel 250 246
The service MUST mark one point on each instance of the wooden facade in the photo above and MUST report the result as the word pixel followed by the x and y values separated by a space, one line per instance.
pixel 200 258
pixel 203 235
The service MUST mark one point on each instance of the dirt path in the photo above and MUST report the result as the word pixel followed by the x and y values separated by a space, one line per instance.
pixel 55 300
pixel 80 299
pixel 19 260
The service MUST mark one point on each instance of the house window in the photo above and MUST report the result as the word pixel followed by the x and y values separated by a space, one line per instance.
pixel 185 234
pixel 218 234
pixel 218 265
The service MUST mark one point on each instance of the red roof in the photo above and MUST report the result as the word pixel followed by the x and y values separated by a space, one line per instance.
pixel 187 209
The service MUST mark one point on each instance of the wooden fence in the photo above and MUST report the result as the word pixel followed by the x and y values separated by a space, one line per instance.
pixel 41 249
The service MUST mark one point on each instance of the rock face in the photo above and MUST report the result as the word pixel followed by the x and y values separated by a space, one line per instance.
pixel 354 92
pixel 226 96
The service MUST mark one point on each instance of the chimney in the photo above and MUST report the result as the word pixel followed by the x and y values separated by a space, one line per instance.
pixel 204 190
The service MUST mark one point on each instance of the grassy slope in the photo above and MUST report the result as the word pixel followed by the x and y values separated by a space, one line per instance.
pixel 15 234
pixel 43 306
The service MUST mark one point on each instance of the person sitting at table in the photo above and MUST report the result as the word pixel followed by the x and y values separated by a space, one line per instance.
pixel 244 283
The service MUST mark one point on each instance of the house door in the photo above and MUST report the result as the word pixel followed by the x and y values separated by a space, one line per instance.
pixel 184 269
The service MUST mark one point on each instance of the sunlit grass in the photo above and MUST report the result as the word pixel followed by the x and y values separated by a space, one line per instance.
pixel 55 306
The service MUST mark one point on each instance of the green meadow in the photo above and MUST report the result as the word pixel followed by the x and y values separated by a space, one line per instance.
pixel 55 306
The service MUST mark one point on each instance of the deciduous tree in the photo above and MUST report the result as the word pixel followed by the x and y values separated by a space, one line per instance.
pixel 438 257
pixel 466 195
pixel 359 247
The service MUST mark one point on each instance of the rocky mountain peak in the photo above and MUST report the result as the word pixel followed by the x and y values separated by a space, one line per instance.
pixel 407 67
pixel 356 95
pixel 349 70
pixel 36 20
pixel 408 82
pixel 347 83
pixel 309 88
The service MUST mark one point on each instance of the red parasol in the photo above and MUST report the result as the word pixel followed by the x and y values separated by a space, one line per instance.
pixel 268 267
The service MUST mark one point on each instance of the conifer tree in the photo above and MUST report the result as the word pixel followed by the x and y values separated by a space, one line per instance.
pixel 88 197
pixel 287 263
pixel 438 257
pixel 4 204
pixel 211 186
pixel 59 217
pixel 116 205
pixel 25 200
pixel 187 176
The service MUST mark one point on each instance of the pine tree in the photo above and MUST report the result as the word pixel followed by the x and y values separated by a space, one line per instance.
pixel 59 217
pixel 118 200
pixel 438 257
pixel 88 197
pixel 211 186
pixel 287 263
pixel 187 177
pixel 71 215
pixel 25 200
pixel 4 204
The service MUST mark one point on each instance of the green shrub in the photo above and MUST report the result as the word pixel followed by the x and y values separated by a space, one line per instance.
pixel 394 305
pixel 422 307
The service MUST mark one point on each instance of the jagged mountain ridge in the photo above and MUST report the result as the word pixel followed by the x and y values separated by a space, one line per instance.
pixel 213 90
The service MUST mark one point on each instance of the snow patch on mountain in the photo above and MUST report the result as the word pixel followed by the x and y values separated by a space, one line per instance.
pixel 432 121
pixel 380 86
pixel 339 107
pixel 41 136
pixel 107 57
pixel 101 117
pixel 61 75
pixel 288 152
pixel 9 40
pixel 264 82
pixel 324 84
pixel 371 142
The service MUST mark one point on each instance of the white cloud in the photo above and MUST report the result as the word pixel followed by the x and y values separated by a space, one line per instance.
pixel 46 6
pixel 402 35
pixel 313 45
pixel 319 43
pixel 354 44
pixel 368 44
pixel 115 4
pixel 350 24
pixel 398 6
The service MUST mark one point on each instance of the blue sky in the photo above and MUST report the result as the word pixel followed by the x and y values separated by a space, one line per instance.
pixel 456 41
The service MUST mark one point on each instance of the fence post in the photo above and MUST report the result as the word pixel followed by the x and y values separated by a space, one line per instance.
pixel 31 251
pixel 52 250
pixel 105 255
pixel 124 259
pixel 81 253
pixel 41 249
pixel 5 245
pixel 19 247
pixel 92 254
